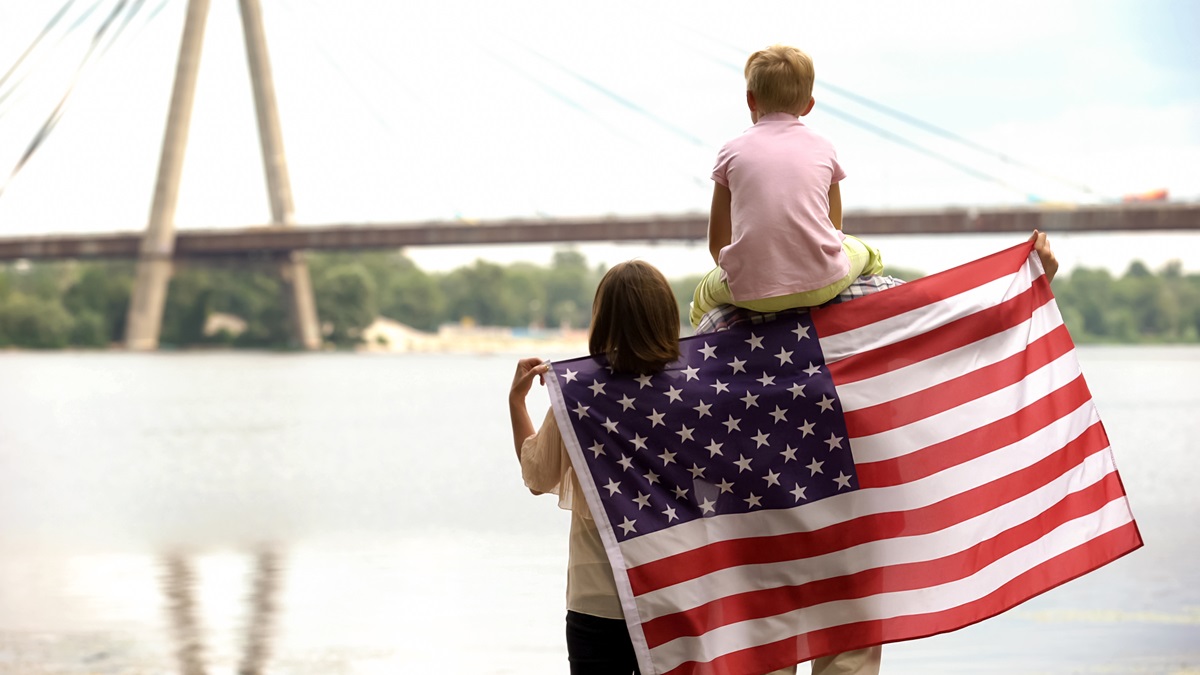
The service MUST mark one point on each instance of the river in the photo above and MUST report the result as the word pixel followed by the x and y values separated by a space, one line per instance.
pixel 348 513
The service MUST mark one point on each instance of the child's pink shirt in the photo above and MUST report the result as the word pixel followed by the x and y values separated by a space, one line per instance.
pixel 779 172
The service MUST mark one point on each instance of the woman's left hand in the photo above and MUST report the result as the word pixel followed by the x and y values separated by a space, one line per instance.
pixel 527 369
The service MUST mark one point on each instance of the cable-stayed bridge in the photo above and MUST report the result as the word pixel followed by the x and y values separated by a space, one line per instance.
pixel 283 242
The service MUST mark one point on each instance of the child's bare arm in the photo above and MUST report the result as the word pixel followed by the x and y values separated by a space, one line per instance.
pixel 720 221
pixel 835 206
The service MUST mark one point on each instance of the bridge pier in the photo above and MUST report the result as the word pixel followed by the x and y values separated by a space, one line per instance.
pixel 143 323
pixel 293 270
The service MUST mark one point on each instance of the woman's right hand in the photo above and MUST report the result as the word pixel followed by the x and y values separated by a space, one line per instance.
pixel 527 369
pixel 1041 245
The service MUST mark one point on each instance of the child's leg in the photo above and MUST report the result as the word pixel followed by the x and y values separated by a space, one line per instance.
pixel 710 293
pixel 864 259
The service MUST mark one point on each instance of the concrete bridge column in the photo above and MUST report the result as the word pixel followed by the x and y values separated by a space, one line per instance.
pixel 293 270
pixel 144 320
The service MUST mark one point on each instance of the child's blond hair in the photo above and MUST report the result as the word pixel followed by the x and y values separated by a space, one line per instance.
pixel 781 79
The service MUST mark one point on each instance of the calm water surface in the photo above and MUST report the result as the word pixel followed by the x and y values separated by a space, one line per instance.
pixel 339 513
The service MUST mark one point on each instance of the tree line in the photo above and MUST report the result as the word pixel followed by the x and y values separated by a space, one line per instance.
pixel 83 303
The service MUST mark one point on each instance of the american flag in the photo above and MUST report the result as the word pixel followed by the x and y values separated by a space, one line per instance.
pixel 905 464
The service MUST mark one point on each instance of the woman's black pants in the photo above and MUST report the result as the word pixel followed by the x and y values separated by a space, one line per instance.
pixel 598 646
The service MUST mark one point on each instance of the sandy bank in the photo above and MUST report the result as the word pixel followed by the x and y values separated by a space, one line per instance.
pixel 386 335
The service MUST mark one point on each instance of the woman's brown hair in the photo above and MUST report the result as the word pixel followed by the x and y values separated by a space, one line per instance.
pixel 635 320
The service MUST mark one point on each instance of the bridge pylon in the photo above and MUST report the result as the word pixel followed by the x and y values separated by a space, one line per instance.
pixel 154 268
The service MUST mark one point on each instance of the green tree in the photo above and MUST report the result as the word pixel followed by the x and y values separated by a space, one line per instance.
pixel 89 329
pixel 477 293
pixel 34 322
pixel 186 309
pixel 570 286
pixel 526 297
pixel 256 295
pixel 1089 292
pixel 409 295
pixel 102 290
pixel 346 302
pixel 45 281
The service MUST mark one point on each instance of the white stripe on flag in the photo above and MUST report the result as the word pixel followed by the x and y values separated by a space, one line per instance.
pixel 942 597
pixel 968 416
pixel 925 318
pixel 918 376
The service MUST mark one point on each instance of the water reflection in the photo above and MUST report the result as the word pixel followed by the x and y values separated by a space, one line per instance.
pixel 179 584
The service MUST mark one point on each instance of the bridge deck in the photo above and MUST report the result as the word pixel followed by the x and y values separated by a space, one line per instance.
pixel 273 241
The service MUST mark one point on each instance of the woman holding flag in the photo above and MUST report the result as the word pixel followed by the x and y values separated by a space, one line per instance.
pixel 635 325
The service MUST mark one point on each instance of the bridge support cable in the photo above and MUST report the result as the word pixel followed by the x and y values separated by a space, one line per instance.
pixel 15 86
pixel 33 45
pixel 635 144
pixel 144 320
pixel 918 148
pixel 951 136
pixel 911 121
pixel 293 271
pixel 55 115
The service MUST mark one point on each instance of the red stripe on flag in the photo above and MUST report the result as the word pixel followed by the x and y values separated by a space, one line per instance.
pixel 955 392
pixel 894 578
pixel 848 637
pixel 953 335
pixel 710 558
pixel 870 309
pixel 975 443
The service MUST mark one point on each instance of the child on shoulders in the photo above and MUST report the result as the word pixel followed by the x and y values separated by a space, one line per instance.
pixel 775 229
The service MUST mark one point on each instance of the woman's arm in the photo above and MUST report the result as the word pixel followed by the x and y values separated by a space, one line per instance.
pixel 720 221
pixel 522 425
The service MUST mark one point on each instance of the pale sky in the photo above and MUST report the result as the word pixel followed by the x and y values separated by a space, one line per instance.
pixel 396 111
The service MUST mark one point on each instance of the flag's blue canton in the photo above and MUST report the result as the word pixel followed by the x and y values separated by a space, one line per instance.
pixel 745 420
